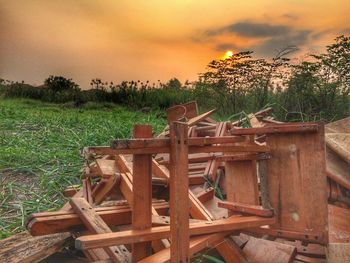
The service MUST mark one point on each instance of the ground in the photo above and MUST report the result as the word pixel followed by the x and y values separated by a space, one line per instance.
pixel 39 151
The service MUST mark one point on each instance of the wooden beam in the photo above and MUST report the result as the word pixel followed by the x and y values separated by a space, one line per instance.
pixel 196 244
pixel 192 149
pixel 23 247
pixel 133 236
pixel 138 143
pixel 95 224
pixel 142 194
pixel 179 203
pixel 64 221
pixel 246 209
pixel 280 128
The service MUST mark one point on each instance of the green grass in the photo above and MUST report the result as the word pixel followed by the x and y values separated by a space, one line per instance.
pixel 39 151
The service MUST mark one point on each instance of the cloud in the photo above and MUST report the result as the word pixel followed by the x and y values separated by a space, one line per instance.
pixel 225 47
pixel 267 38
pixel 251 29
pixel 271 46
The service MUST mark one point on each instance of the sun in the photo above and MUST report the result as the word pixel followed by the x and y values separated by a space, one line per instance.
pixel 227 54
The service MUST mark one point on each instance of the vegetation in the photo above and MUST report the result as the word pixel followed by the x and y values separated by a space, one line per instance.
pixel 317 89
pixel 39 151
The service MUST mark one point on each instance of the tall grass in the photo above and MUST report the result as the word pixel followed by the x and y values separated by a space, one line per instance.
pixel 39 151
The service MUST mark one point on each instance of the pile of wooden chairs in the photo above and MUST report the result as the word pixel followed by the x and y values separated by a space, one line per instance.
pixel 258 194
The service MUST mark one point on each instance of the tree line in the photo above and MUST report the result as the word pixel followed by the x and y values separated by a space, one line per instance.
pixel 314 89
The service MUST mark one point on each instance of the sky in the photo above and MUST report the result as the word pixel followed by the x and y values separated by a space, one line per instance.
pixel 154 40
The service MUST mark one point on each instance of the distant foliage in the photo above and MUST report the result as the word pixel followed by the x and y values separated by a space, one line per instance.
pixel 315 89
pixel 59 83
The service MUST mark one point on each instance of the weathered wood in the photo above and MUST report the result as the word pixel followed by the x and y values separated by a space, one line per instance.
pixel 339 143
pixel 196 244
pixel 246 209
pixel 337 169
pixel 142 194
pixel 63 221
pixel 188 110
pixel 95 224
pixel 297 183
pixel 106 168
pixel 206 195
pixel 242 182
pixel 179 202
pixel 338 252
pixel 339 219
pixel 23 247
pixel 138 143
pixel 71 190
pixel 231 252
pixel 103 188
pixel 280 128
pixel 133 236
pixel 265 251
pixel 192 149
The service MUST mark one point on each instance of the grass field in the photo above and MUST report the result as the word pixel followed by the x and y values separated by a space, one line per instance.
pixel 39 151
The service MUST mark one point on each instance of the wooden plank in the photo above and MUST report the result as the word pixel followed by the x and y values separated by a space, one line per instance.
pixel 340 126
pixel 103 188
pixel 265 251
pixel 206 195
pixel 231 252
pixel 338 253
pixel 260 114
pixel 340 144
pixel 140 143
pixel 254 122
pixel 192 149
pixel 64 221
pixel 179 202
pixel 280 128
pixel 106 168
pixel 132 236
pixel 242 182
pixel 246 209
pixel 188 110
pixel 95 224
pixel 337 169
pixel 297 183
pixel 339 218
pixel 142 194
pixel 22 247
pixel 196 244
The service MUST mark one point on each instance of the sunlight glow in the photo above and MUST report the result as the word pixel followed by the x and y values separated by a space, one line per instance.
pixel 228 54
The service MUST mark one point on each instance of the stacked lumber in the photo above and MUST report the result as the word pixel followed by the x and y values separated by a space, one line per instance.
pixel 268 193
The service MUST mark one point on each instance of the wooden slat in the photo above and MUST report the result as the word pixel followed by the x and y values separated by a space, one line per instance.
pixel 179 203
pixel 132 236
pixel 280 128
pixel 139 143
pixel 231 252
pixel 95 224
pixel 196 244
pixel 246 209
pixel 206 195
pixel 265 251
pixel 22 247
pixel 192 149
pixel 64 221
pixel 242 182
pixel 188 110
pixel 142 194
pixel 106 168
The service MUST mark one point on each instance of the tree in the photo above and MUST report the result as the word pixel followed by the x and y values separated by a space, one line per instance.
pixel 59 83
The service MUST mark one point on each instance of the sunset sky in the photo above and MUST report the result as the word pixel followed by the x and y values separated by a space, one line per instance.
pixel 155 39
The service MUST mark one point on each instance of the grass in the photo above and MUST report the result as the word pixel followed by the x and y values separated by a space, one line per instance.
pixel 39 151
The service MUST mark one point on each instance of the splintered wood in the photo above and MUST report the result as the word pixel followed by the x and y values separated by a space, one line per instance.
pixel 257 194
